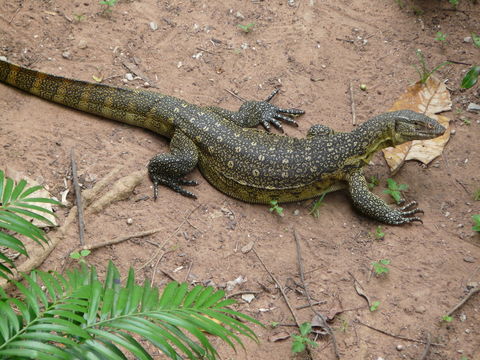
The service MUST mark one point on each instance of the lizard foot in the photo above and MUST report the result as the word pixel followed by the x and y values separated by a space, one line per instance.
pixel 272 114
pixel 402 215
pixel 174 185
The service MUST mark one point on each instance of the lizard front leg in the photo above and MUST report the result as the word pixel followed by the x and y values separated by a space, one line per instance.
pixel 168 169
pixel 374 207
pixel 253 113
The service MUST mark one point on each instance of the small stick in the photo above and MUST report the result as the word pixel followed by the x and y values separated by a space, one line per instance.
pixel 464 300
pixel 327 328
pixel 427 348
pixel 189 270
pixel 310 305
pixel 352 104
pixel 120 239
pixel 396 336
pixel 458 62
pixel 16 12
pixel 78 198
pixel 279 287
pixel 235 95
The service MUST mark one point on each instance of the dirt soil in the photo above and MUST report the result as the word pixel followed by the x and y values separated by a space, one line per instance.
pixel 311 50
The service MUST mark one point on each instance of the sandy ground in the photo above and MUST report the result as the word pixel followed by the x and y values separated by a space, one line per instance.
pixel 311 51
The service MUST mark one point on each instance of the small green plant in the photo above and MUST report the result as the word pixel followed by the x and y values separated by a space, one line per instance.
pixel 372 182
pixel 476 223
pixel 80 255
pixel 315 209
pixel 417 11
pixel 441 37
pixel 274 324
pixel 277 209
pixel 374 306
pixel 447 318
pixel 246 28
pixel 476 40
pixel 453 2
pixel 394 190
pixel 343 324
pixel 379 234
pixel 423 71
pixel 301 341
pixel 79 17
pixel 476 195
pixel 109 4
pixel 471 77
pixel 466 121
pixel 380 267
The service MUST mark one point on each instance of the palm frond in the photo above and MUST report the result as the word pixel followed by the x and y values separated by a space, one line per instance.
pixel 77 316
pixel 16 204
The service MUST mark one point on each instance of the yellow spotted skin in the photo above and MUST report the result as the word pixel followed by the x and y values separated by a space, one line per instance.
pixel 243 162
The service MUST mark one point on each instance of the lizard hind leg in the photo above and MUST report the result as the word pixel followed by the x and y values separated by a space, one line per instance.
pixel 169 169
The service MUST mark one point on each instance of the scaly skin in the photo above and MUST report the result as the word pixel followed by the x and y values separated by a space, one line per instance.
pixel 242 162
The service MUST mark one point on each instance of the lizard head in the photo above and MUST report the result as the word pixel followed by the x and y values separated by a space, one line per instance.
pixel 409 125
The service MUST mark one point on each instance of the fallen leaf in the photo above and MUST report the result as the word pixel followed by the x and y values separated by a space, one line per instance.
pixel 282 335
pixel 430 98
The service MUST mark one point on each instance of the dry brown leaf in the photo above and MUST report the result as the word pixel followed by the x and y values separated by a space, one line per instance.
pixel 430 98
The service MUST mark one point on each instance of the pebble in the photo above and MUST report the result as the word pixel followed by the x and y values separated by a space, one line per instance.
pixel 420 309
pixel 400 347
pixel 469 259
pixel 239 15
pixel 129 76
pixel 296 212
pixel 153 25
pixel 467 39
pixel 453 131
pixel 473 107
pixel 82 44
pixel 66 54
pixel 463 317
pixel 3 58
pixel 129 221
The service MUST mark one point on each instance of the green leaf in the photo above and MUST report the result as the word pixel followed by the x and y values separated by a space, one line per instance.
pixel 18 189
pixel 305 328
pixel 7 191
pixel 298 345
pixel 471 77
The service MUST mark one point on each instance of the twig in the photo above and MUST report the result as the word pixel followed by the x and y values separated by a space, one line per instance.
pixel 189 271
pixel 352 104
pixel 326 327
pixel 235 95
pixel 464 300
pixel 279 287
pixel 458 62
pixel 16 12
pixel 427 348
pixel 120 239
pixel 310 305
pixel 205 50
pixel 242 293
pixel 346 40
pixel 78 199
pixel 396 336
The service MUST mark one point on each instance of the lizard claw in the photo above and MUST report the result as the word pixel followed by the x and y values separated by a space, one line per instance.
pixel 271 114
pixel 175 186
pixel 402 215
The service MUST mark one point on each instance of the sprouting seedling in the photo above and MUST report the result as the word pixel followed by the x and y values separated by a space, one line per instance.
pixel 109 4
pixel 301 341
pixel 476 195
pixel 476 223
pixel 246 28
pixel 441 37
pixel 447 318
pixel 423 70
pixel 276 208
pixel 315 209
pixel 379 267
pixel 453 2
pixel 372 182
pixel 79 17
pixel 374 306
pixel 394 190
pixel 80 255
pixel 379 233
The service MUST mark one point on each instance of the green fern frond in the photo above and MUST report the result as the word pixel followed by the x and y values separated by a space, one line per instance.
pixel 15 201
pixel 77 316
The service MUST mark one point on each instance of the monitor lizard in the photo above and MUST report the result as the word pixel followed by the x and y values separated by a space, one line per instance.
pixel 241 161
